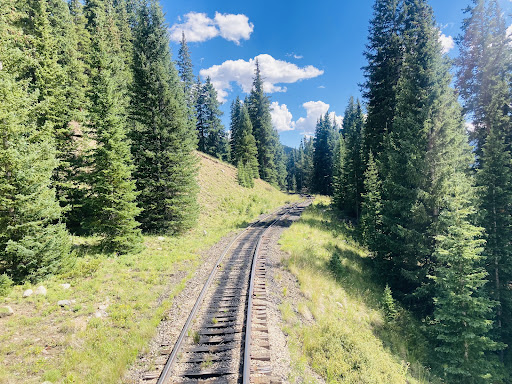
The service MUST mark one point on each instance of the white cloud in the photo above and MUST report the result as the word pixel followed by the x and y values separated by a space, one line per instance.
pixel 198 27
pixel 446 42
pixel 314 109
pixel 234 27
pixel 273 72
pixel 509 30
pixel 469 125
pixel 321 86
pixel 281 117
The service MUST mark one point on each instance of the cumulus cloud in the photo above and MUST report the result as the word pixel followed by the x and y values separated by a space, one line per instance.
pixel 234 27
pixel 447 42
pixel 241 72
pixel 281 117
pixel 314 109
pixel 198 27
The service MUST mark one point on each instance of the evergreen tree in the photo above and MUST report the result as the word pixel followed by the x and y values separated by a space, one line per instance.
pixel 163 138
pixel 112 187
pixel 33 242
pixel 246 152
pixel 353 168
pixel 461 312
pixel 234 126
pixel 426 146
pixel 258 105
pixel 211 133
pixel 280 160
pixel 483 69
pixel 185 70
pixel 324 144
pixel 384 53
pixel 495 178
pixel 338 166
pixel 484 74
pixel 371 210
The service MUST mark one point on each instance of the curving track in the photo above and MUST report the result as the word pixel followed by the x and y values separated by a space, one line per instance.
pixel 215 345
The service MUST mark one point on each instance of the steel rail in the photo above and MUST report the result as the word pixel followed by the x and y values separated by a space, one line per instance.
pixel 246 376
pixel 166 371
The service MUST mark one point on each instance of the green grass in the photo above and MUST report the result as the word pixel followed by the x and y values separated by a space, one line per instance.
pixel 351 340
pixel 43 341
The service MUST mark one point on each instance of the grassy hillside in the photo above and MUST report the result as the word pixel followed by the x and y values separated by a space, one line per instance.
pixel 117 302
pixel 357 336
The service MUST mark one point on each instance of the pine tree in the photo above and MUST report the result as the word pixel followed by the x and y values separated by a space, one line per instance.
pixel 185 70
pixel 461 312
pixel 353 168
pixel 483 69
pixel 258 105
pixel 324 144
pixel 384 53
pixel 234 127
pixel 426 146
pixel 495 211
pixel 280 161
pixel 163 138
pixel 484 74
pixel 33 241
pixel 246 152
pixel 112 197
pixel 338 165
pixel 211 133
pixel 371 210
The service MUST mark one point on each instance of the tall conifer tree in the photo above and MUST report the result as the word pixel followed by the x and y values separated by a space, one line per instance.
pixel 461 311
pixel 384 53
pixel 324 143
pixel 211 134
pixel 33 242
pixel 258 105
pixel 163 137
pixel 353 168
pixel 484 74
pixel 112 198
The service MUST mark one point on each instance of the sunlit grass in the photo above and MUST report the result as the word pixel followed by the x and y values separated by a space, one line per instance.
pixel 350 340
pixel 119 300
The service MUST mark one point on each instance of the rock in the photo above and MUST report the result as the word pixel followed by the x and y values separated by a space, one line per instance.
pixel 161 238
pixel 28 293
pixel 98 314
pixel 41 290
pixel 65 286
pixel 64 303
pixel 159 249
pixel 6 311
pixel 102 307
pixel 339 304
pixel 204 232
pixel 47 382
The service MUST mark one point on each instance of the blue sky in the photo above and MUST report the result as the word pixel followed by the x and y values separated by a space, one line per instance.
pixel 311 52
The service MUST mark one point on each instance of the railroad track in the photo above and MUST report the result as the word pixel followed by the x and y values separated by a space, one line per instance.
pixel 225 338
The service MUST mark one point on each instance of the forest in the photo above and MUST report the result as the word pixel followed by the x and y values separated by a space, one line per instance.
pixel 99 126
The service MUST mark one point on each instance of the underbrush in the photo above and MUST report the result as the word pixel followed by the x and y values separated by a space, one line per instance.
pixel 116 302
pixel 359 334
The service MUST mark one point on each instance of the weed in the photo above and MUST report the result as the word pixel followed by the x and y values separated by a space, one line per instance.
pixel 214 320
pixel 207 363
pixel 195 337
pixel 5 285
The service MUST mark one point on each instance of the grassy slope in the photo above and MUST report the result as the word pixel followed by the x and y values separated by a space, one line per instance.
pixel 45 342
pixel 351 341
